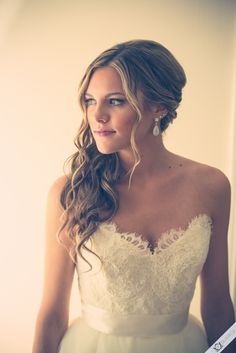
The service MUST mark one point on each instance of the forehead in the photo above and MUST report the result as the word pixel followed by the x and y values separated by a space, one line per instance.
pixel 105 79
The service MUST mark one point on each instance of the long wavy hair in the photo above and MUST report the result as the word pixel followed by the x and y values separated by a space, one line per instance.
pixel 89 196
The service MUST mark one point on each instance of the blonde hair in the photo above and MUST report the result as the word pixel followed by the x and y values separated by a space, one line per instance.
pixel 90 188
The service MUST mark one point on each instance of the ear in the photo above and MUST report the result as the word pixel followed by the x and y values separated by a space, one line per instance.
pixel 159 109
pixel 163 112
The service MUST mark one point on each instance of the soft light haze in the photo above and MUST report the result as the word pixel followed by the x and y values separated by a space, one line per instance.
pixel 45 47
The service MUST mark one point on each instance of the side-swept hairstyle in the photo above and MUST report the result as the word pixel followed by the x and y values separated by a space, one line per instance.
pixel 89 196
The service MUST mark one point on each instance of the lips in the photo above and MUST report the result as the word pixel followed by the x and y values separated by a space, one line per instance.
pixel 104 132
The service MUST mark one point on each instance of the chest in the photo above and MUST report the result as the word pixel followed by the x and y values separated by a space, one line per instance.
pixel 151 211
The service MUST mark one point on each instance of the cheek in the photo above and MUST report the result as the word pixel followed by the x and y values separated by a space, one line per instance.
pixel 89 121
pixel 144 129
pixel 129 120
pixel 87 116
pixel 128 125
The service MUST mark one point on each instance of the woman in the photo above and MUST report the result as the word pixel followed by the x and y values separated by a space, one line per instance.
pixel 140 222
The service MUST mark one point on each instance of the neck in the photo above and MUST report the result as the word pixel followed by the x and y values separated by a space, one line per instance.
pixel 154 159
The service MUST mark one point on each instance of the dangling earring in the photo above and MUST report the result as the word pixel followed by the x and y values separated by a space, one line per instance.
pixel 156 129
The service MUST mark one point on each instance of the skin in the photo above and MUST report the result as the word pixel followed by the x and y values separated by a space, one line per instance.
pixel 52 319
pixel 113 112
pixel 170 188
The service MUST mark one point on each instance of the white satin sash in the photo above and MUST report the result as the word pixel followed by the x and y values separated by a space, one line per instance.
pixel 142 325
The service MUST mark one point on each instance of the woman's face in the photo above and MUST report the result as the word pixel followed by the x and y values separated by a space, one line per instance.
pixel 110 115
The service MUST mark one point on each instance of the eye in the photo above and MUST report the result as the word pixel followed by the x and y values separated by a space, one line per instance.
pixel 89 101
pixel 116 101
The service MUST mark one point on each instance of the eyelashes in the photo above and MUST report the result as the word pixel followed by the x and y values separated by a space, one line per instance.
pixel 110 101
pixel 88 101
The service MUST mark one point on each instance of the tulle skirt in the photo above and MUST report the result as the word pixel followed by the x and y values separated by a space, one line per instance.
pixel 82 338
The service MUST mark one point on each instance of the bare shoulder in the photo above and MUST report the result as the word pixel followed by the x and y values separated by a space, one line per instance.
pixel 211 184
pixel 55 209
pixel 207 176
pixel 58 184
pixel 211 179
pixel 56 216
pixel 56 188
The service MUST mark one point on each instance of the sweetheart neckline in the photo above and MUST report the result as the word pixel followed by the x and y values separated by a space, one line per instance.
pixel 178 230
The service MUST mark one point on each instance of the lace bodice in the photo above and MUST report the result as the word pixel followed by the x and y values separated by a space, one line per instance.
pixel 132 279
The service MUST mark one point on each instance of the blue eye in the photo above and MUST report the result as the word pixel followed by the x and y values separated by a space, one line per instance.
pixel 116 101
pixel 111 101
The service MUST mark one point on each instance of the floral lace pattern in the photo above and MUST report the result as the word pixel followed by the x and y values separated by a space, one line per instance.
pixel 165 239
pixel 133 279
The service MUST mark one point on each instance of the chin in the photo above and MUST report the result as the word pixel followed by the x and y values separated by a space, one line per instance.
pixel 106 151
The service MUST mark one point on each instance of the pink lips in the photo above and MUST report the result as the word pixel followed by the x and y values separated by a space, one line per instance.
pixel 104 132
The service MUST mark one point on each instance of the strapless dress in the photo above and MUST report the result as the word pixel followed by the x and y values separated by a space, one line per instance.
pixel 136 299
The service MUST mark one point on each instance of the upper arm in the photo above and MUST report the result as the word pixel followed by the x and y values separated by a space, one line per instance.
pixel 59 268
pixel 214 277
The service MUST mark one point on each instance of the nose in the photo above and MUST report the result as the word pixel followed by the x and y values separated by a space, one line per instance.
pixel 100 113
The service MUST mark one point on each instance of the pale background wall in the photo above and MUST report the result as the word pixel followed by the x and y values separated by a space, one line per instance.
pixel 45 47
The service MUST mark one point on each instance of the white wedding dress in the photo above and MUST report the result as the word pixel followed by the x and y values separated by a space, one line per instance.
pixel 138 300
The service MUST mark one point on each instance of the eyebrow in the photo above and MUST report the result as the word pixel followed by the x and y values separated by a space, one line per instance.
pixel 107 95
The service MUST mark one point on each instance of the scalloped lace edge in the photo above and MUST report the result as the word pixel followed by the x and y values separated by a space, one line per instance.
pixel 166 239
